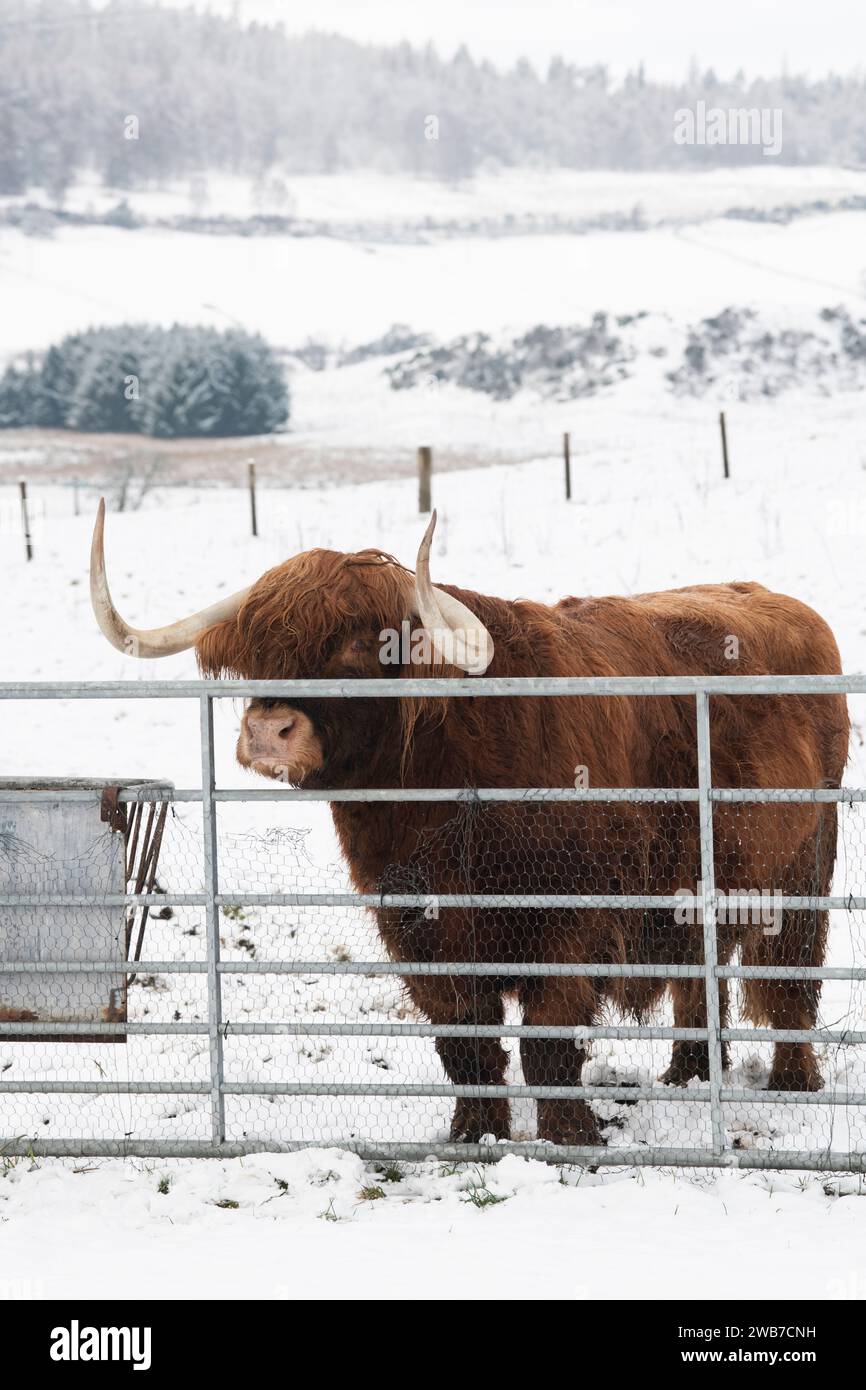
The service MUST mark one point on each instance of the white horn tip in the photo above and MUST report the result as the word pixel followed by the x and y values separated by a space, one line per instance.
pixel 426 539
pixel 99 523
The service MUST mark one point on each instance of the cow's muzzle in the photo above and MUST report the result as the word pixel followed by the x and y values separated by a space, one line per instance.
pixel 279 742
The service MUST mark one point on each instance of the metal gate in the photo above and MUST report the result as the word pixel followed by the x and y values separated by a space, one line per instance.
pixel 192 1078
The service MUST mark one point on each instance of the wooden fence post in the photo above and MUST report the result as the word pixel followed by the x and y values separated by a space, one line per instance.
pixel 566 454
pixel 723 427
pixel 425 474
pixel 25 518
pixel 253 516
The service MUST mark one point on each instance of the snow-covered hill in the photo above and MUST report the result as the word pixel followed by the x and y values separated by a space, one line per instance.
pixel 344 292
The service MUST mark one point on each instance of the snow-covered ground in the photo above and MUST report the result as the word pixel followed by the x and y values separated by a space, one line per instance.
pixel 650 510
pixel 324 1225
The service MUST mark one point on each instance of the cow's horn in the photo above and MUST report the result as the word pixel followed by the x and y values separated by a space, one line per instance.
pixel 156 641
pixel 458 636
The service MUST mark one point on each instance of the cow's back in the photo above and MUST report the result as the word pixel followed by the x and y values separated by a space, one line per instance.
pixel 738 629
pixel 707 629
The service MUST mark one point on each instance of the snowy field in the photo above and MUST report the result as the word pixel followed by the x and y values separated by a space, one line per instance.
pixel 348 292
pixel 349 197
pixel 666 520
pixel 650 510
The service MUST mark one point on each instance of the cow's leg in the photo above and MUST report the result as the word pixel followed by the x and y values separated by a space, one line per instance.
pixel 468 1061
pixel 793 939
pixel 478 1062
pixel 664 941
pixel 569 1002
pixel 789 1004
pixel 691 1060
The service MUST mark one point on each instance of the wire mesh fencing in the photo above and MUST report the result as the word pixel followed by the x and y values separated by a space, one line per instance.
pixel 576 974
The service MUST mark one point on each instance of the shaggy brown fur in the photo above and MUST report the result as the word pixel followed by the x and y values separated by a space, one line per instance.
pixel 320 615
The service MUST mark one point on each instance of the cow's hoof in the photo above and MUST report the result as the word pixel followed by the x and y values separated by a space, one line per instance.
pixel 690 1063
pixel 570 1123
pixel 795 1069
pixel 801 1079
pixel 475 1118
pixel 681 1071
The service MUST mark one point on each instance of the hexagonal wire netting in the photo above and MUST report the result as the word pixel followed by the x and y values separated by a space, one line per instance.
pixel 536 976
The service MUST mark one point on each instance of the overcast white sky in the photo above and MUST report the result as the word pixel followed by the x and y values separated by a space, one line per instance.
pixel 761 36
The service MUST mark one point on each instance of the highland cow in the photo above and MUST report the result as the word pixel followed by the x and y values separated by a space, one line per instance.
pixel 325 614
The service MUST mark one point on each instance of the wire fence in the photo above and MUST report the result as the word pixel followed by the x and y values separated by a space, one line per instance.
pixel 573 973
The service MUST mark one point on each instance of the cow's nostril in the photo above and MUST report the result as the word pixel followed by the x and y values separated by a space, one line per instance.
pixel 286 730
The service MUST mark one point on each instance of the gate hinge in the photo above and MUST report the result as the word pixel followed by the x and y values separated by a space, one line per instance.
pixel 111 811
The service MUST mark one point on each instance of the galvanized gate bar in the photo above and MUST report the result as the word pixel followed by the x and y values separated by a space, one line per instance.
pixel 825 1161
pixel 392 967
pixel 575 900
pixel 708 883
pixel 106 1088
pixel 376 687
pixel 472 795
pixel 210 841
pixel 530 795
pixel 632 1156
pixel 517 900
pixel 827 1037
pixel 612 1095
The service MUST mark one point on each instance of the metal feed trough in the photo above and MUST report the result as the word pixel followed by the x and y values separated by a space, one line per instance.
pixel 74 836
pixel 248 1031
